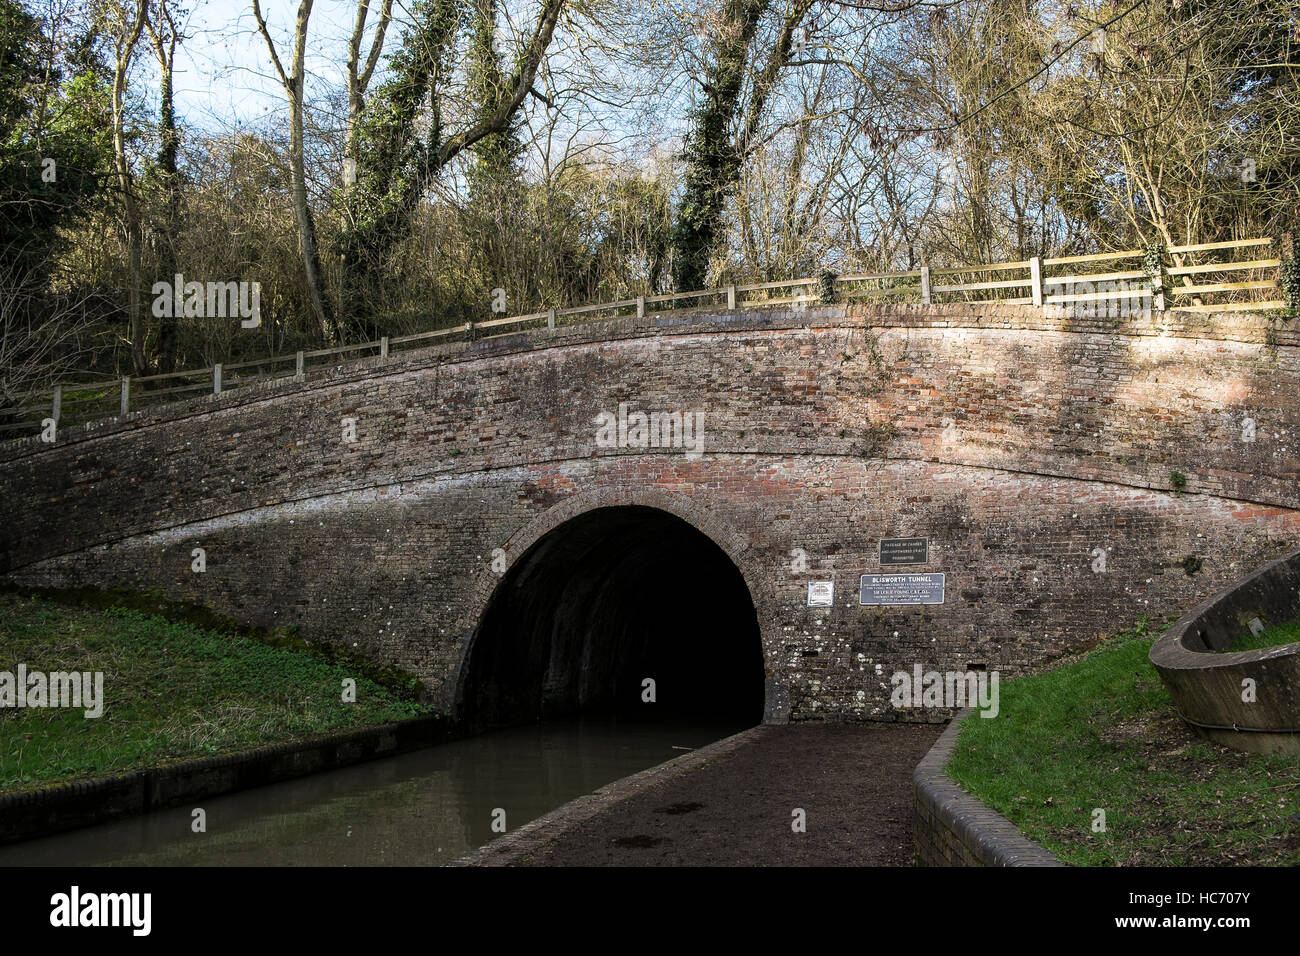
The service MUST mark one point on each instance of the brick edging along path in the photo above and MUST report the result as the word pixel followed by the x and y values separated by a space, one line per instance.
pixel 954 829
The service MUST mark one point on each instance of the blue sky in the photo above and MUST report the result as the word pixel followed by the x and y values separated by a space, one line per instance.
pixel 224 77
pixel 224 74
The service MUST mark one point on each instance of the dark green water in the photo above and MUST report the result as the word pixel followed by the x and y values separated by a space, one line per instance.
pixel 421 809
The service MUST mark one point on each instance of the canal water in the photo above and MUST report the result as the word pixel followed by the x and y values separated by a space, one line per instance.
pixel 420 809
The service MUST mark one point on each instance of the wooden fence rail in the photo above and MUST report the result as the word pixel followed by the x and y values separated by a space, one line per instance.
pixel 1077 289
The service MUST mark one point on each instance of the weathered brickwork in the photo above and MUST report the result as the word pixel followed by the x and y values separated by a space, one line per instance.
pixel 1018 444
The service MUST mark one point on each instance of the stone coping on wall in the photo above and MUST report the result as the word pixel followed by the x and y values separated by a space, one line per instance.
pixel 952 828
pixel 65 806
pixel 1243 327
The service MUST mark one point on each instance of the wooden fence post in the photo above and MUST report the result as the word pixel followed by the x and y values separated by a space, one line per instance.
pixel 925 285
pixel 1153 264
pixel 550 320
pixel 126 394
pixel 640 307
pixel 58 403
pixel 216 380
pixel 383 347
pixel 298 365
pixel 731 297
pixel 1288 270
pixel 1036 277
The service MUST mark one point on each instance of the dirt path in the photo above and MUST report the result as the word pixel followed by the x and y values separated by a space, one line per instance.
pixel 854 782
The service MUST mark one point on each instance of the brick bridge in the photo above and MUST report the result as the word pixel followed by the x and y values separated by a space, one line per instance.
pixel 477 533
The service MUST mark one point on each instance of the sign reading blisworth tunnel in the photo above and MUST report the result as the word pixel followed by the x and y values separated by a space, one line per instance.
pixel 901 589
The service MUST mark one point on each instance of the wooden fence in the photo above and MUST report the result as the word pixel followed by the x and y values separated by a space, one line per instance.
pixel 1053 283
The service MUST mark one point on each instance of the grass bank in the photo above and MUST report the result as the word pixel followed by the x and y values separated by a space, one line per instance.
pixel 1101 733
pixel 1275 636
pixel 173 690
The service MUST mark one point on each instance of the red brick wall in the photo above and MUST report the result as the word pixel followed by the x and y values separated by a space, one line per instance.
pixel 1017 444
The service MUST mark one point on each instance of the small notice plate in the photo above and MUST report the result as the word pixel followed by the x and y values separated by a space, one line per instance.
pixel 901 589
pixel 904 551
pixel 821 593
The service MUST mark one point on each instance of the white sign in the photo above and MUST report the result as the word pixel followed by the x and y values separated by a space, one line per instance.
pixel 821 593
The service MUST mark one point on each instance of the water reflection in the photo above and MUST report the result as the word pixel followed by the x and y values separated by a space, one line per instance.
pixel 420 809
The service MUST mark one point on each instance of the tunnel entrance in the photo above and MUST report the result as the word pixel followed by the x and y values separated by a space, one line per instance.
pixel 600 604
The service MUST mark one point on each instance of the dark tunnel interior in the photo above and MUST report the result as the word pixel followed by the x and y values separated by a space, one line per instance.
pixel 600 604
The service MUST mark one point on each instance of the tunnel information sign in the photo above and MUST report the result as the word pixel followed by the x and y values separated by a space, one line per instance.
pixel 880 589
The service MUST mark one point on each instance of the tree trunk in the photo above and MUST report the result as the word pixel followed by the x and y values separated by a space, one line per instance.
pixel 124 52
pixel 389 186
pixel 714 159
pixel 164 37
pixel 293 83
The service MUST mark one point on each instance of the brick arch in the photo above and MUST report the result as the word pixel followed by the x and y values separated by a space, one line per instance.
pixel 733 543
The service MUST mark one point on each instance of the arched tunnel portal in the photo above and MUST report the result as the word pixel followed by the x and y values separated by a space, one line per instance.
pixel 601 604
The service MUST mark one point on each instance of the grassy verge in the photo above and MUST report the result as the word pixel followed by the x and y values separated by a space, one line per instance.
pixel 1101 734
pixel 173 690
pixel 1275 636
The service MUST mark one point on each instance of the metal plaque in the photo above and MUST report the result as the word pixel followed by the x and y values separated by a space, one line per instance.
pixel 904 551
pixel 881 589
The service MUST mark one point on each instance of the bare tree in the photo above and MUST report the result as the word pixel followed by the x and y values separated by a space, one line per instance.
pixel 42 337
pixel 293 81
pixel 407 146
pixel 127 23
pixel 165 35
pixel 359 76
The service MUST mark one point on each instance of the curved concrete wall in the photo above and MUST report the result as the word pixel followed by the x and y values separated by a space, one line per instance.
pixel 1034 453
pixel 1210 687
